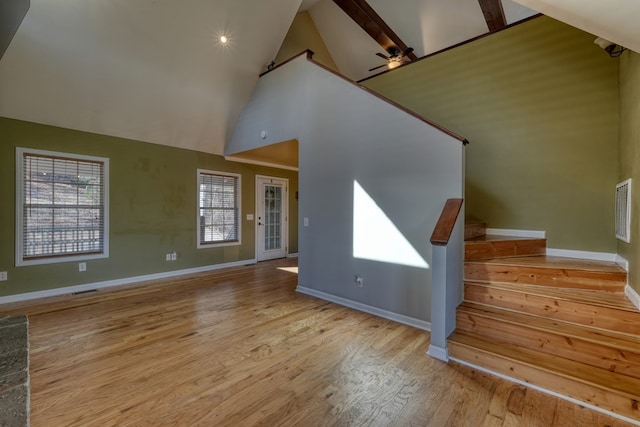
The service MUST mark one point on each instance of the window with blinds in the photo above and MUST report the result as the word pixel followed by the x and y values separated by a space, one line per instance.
pixel 218 208
pixel 62 213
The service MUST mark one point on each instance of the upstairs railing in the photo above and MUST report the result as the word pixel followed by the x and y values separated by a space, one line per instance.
pixel 446 284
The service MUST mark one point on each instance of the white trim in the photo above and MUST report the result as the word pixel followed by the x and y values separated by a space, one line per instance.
pixel 594 256
pixel 438 353
pixel 544 390
pixel 118 282
pixel 633 296
pixel 622 263
pixel 400 318
pixel 259 163
pixel 294 255
pixel 205 245
pixel 537 234
pixel 19 206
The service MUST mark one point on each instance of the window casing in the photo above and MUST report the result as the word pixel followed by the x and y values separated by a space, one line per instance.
pixel 62 207
pixel 218 219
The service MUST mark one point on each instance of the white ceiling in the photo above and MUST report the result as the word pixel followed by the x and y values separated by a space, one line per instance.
pixel 151 70
pixel 614 20
pixel 425 25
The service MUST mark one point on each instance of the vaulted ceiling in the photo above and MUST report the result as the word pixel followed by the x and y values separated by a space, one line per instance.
pixel 152 70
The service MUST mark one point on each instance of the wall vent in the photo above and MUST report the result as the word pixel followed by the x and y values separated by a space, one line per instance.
pixel 623 211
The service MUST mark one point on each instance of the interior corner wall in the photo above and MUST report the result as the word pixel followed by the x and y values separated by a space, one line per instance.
pixel 630 156
pixel 539 104
pixel 152 208
pixel 304 35
pixel 12 12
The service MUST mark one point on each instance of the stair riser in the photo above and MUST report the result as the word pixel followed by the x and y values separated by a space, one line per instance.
pixel 618 403
pixel 474 251
pixel 474 230
pixel 561 278
pixel 581 313
pixel 594 354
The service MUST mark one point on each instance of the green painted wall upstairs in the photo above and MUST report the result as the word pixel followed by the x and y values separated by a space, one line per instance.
pixel 153 204
pixel 304 35
pixel 539 104
pixel 630 156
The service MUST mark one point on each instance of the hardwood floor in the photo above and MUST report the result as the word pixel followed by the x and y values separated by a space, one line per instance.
pixel 240 347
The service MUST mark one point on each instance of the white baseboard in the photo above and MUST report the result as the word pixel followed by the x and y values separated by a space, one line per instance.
pixel 594 256
pixel 294 255
pixel 400 318
pixel 633 296
pixel 117 282
pixel 544 390
pixel 622 263
pixel 516 233
pixel 438 353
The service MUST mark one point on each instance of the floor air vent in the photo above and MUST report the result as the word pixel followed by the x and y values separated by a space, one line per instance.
pixel 623 210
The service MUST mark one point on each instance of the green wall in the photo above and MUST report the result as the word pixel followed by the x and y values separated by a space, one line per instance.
pixel 304 35
pixel 152 207
pixel 630 156
pixel 539 105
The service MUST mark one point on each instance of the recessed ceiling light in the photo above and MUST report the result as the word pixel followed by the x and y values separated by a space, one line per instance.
pixel 223 39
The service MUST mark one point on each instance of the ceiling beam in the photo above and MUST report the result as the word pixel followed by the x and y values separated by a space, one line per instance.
pixel 367 18
pixel 493 14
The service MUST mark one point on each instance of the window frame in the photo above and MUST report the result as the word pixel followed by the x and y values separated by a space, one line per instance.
pixel 20 205
pixel 217 244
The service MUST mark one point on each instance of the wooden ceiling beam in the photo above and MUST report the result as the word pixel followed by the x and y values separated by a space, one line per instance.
pixel 493 14
pixel 367 18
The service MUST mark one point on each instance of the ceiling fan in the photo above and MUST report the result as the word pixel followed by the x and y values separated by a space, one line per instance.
pixel 395 59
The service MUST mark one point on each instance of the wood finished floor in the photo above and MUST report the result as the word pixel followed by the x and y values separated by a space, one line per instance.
pixel 240 347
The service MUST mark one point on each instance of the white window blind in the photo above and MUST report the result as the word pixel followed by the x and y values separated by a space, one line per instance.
pixel 63 206
pixel 219 208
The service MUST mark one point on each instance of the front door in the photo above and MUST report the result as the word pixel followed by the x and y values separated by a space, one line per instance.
pixel 272 213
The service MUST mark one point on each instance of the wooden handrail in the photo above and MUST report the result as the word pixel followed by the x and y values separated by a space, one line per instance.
pixel 446 222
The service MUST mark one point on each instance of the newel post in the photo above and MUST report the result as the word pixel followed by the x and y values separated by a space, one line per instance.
pixel 447 265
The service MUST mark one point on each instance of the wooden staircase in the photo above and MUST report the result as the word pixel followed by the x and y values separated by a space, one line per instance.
pixel 560 324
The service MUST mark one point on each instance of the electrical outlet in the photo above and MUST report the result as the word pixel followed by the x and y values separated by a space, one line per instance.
pixel 167 257
pixel 82 266
pixel 3 276
pixel 359 281
pixel 174 256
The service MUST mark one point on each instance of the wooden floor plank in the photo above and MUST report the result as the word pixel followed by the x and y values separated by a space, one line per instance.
pixel 241 347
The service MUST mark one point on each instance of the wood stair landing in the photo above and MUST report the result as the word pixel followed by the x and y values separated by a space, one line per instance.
pixel 488 246
pixel 561 324
pixel 548 271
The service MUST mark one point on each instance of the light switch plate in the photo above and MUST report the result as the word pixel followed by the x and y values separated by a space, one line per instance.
pixel 306 222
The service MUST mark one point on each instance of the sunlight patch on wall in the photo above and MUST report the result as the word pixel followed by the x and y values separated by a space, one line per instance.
pixel 375 236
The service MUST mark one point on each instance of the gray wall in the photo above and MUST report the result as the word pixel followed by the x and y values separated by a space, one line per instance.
pixel 346 134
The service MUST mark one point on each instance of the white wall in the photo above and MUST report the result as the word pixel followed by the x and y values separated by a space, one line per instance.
pixel 405 166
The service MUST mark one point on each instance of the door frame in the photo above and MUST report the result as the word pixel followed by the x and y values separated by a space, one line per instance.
pixel 285 210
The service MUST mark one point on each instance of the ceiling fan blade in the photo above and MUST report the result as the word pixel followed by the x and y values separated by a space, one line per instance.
pixel 407 51
pixel 383 56
pixel 379 66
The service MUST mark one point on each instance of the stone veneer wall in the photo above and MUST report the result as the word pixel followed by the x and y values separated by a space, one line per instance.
pixel 14 371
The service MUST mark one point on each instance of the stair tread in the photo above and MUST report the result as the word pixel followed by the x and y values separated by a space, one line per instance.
pixel 609 299
pixel 496 238
pixel 605 337
pixel 601 378
pixel 545 261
